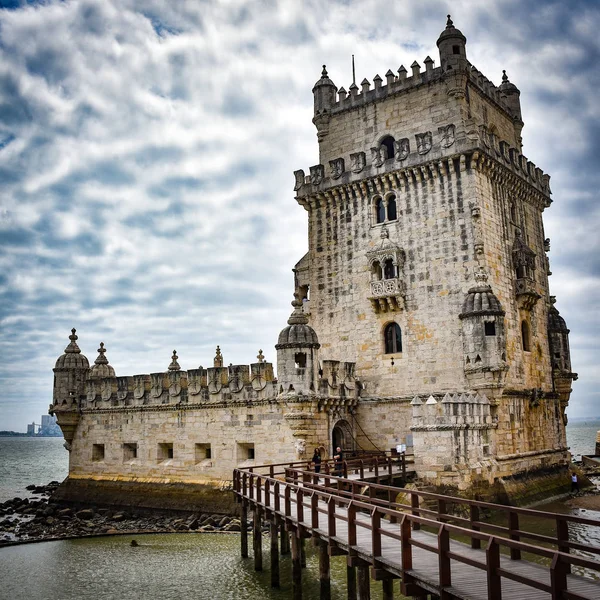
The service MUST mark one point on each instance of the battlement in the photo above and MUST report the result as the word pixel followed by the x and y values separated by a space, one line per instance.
pixel 438 150
pixel 402 83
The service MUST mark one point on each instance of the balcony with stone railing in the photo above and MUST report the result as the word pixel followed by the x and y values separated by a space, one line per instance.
pixel 526 293
pixel 387 295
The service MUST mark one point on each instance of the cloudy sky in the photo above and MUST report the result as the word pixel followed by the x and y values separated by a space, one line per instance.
pixel 146 158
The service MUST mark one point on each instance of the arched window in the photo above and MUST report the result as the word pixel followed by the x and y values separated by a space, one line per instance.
pixel 525 336
pixel 388 142
pixel 393 338
pixel 376 271
pixel 391 208
pixel 389 270
pixel 380 210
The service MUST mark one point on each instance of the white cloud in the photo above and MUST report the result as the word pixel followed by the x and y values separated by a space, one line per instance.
pixel 150 175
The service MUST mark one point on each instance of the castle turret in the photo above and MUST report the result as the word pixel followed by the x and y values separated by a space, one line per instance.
pixel 513 102
pixel 324 92
pixel 70 374
pixel 452 47
pixel 558 335
pixel 484 339
pixel 101 368
pixel 297 354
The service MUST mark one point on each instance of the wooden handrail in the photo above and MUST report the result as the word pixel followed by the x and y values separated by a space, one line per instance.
pixel 561 560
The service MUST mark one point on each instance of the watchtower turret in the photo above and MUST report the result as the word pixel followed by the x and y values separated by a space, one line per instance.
pixel 452 46
pixel 324 92
pixel 297 354
pixel 70 374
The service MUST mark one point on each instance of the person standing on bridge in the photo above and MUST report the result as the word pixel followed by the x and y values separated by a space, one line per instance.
pixel 316 459
pixel 339 461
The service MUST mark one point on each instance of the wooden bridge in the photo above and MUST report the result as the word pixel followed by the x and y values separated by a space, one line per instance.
pixel 435 545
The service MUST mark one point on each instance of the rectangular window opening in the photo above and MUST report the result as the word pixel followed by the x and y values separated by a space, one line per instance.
pixel 245 451
pixel 97 452
pixel 165 452
pixel 490 328
pixel 203 453
pixel 130 451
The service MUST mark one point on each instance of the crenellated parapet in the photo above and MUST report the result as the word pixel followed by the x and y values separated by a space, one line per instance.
pixel 214 385
pixel 428 157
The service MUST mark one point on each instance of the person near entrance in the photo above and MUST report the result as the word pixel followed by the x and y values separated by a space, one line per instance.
pixel 338 459
pixel 316 459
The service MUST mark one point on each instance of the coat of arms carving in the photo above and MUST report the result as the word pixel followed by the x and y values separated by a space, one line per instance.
pixel 337 167
pixel 359 161
pixel 317 174
pixel 402 149
pixel 424 142
pixel 447 135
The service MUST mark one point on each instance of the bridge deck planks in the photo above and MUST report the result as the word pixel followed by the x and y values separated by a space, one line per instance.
pixel 468 582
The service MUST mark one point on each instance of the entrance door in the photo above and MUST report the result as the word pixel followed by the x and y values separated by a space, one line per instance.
pixel 341 436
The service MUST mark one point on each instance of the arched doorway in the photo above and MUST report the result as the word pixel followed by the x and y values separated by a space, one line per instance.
pixel 341 436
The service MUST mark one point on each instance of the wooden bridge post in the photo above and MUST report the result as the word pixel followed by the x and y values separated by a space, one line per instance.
pixel 302 551
pixel 351 582
pixel 244 528
pixel 274 552
pixel 324 571
pixel 562 538
pixel 296 567
pixel 513 525
pixel 364 583
pixel 257 539
pixel 474 518
pixel 492 559
pixel 388 588
pixel 285 539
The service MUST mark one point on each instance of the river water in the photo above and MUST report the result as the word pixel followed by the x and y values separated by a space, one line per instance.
pixel 200 566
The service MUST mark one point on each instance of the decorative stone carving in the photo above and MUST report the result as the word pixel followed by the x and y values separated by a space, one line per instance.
pixel 378 155
pixel 317 174
pixel 402 149
pixel 447 133
pixel 301 448
pixel 424 142
pixel 358 162
pixel 174 389
pixel 337 167
pixel 299 179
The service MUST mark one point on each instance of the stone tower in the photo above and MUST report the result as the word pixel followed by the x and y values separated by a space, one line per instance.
pixel 426 267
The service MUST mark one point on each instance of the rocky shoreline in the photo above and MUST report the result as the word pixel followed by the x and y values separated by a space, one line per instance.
pixel 40 518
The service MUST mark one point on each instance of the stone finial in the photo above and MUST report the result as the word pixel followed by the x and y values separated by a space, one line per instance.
pixel 416 69
pixel 428 64
pixel 101 360
pixel 365 85
pixel 260 356
pixel 297 317
pixel 504 77
pixel 377 81
pixel 390 77
pixel 324 73
pixel 449 23
pixel 342 93
pixel 402 73
pixel 481 276
pixel 353 89
pixel 174 366
pixel 218 362
pixel 73 348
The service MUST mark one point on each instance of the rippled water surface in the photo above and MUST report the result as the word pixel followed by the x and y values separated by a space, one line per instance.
pixel 30 460
pixel 167 566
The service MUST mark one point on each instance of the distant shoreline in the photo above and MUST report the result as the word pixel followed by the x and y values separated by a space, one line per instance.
pixel 20 434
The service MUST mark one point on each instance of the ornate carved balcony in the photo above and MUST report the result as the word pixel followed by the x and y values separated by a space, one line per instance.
pixel 387 295
pixel 525 292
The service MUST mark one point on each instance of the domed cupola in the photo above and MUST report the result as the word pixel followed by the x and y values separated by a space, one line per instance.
pixel 324 93
pixel 70 374
pixel 72 358
pixel 101 368
pixel 558 333
pixel 452 47
pixel 297 353
pixel 484 340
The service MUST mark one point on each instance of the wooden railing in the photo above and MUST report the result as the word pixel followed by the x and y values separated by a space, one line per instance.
pixel 305 502
pixel 367 464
